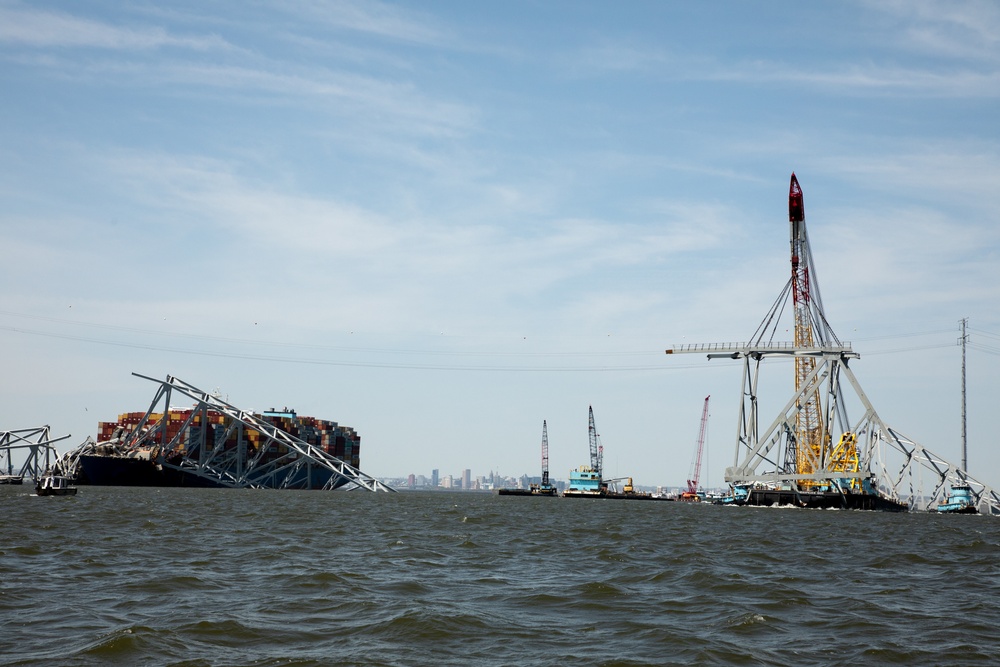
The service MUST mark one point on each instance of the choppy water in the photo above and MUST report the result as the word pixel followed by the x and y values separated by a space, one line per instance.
pixel 216 577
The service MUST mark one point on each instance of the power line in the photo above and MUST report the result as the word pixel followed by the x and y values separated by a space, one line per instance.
pixel 358 364
pixel 904 335
pixel 313 346
pixel 981 332
pixel 984 348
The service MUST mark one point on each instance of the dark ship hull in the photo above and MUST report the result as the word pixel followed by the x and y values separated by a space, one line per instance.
pixel 823 500
pixel 203 447
pixel 128 471
pixel 101 470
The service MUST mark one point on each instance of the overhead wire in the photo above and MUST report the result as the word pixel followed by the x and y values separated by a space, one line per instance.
pixel 430 353
pixel 316 346
pixel 358 364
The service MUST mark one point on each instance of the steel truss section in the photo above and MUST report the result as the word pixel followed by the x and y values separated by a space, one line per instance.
pixel 887 462
pixel 205 456
pixel 41 453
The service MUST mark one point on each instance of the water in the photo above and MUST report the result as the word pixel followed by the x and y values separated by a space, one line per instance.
pixel 216 577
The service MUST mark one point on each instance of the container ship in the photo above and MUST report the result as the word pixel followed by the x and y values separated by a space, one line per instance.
pixel 204 448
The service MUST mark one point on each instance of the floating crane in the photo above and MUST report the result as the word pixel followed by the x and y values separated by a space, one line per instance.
pixel 692 488
pixel 587 481
pixel 812 454
pixel 545 454
pixel 545 488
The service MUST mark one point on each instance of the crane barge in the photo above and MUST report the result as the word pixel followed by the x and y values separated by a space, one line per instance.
pixel 588 481
pixel 797 460
pixel 545 488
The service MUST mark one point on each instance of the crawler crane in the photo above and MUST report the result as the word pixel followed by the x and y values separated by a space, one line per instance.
pixel 691 494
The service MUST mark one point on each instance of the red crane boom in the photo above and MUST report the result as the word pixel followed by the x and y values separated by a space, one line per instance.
pixel 693 482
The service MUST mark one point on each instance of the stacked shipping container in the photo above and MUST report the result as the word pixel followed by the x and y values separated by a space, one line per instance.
pixel 342 442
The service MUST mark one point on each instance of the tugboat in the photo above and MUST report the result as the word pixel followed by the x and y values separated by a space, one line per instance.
pixel 54 485
pixel 739 495
pixel 585 482
pixel 960 501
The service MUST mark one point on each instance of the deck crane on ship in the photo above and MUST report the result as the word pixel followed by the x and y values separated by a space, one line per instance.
pixel 691 493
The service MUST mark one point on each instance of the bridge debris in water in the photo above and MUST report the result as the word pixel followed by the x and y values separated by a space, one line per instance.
pixel 215 444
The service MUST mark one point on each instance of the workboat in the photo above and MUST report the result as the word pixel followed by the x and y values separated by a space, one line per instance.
pixel 960 501
pixel 585 482
pixel 738 496
pixel 11 479
pixel 54 485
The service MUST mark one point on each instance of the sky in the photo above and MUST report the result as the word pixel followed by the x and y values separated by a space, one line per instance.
pixel 442 223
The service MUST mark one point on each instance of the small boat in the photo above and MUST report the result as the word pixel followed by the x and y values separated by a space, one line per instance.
pixel 960 501
pixel 54 485
pixel 585 482
pixel 11 479
pixel 739 495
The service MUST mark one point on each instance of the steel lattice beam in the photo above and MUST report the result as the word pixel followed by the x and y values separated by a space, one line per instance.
pixel 205 456
pixel 40 451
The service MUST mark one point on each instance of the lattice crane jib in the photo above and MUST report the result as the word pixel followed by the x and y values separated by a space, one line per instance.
pixel 545 455
pixel 595 449
pixel 695 479
pixel 811 442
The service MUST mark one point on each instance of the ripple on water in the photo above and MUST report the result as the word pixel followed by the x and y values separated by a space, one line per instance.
pixel 203 577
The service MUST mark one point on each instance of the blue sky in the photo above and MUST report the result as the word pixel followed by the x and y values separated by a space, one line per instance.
pixel 442 223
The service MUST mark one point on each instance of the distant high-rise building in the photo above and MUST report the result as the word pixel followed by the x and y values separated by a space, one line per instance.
pixel 411 481
pixel 467 479
pixel 434 477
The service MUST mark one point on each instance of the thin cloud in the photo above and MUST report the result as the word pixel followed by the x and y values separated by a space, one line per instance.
pixel 37 28
pixel 962 30
pixel 965 36
pixel 371 17
pixel 956 80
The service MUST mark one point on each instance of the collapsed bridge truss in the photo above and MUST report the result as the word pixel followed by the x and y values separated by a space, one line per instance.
pixel 39 450
pixel 211 447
